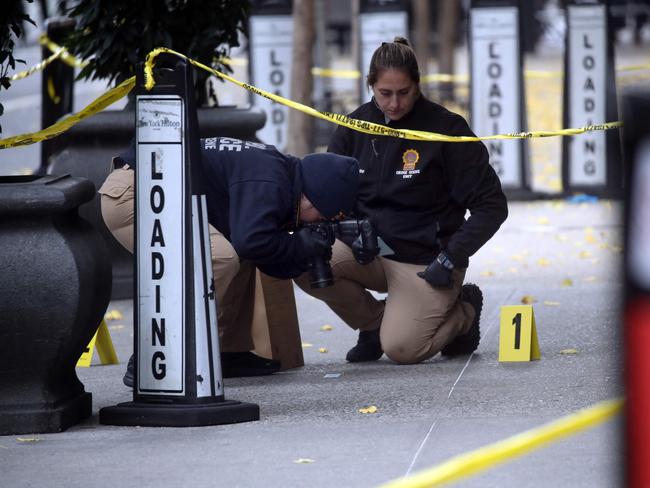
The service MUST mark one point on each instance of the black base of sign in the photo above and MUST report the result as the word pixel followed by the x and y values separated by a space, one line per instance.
pixel 179 415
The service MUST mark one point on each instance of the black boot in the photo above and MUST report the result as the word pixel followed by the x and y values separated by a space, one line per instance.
pixel 467 343
pixel 368 347
pixel 128 376
pixel 237 364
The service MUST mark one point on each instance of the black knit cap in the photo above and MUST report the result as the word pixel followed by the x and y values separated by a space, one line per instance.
pixel 330 182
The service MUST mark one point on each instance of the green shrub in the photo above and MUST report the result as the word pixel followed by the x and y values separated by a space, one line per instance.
pixel 115 35
pixel 12 17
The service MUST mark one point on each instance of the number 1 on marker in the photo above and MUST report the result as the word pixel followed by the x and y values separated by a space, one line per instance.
pixel 516 321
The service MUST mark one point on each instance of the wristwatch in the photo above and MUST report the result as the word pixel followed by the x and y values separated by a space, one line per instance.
pixel 444 261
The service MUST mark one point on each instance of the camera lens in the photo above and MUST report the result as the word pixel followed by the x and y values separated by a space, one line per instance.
pixel 320 273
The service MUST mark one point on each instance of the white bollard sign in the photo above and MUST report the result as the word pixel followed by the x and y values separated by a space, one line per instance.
pixel 496 94
pixel 161 243
pixel 378 27
pixel 178 381
pixel 587 64
pixel 271 38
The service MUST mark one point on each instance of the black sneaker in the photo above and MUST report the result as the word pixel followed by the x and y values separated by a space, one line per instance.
pixel 238 364
pixel 468 342
pixel 368 347
pixel 128 376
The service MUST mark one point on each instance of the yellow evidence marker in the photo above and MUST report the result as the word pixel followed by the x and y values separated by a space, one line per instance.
pixel 518 334
pixel 101 339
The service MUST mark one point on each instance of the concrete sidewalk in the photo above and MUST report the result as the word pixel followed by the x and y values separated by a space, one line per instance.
pixel 564 256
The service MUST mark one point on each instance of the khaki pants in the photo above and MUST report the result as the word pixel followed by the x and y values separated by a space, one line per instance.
pixel 234 279
pixel 416 320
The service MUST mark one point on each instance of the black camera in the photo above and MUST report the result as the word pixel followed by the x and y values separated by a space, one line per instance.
pixel 347 231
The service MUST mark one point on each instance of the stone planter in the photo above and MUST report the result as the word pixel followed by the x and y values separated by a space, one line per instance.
pixel 55 284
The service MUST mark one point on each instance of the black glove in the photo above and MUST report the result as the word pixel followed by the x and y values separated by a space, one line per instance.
pixel 314 243
pixel 438 273
pixel 361 254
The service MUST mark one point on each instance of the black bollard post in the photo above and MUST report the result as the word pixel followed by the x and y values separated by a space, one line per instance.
pixel 55 284
pixel 636 148
pixel 591 162
pixel 57 87
pixel 178 380
pixel 497 102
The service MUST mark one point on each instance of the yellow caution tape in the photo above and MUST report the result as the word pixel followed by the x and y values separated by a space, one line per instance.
pixel 316 71
pixel 66 57
pixel 235 61
pixel 350 74
pixel 636 67
pixel 533 74
pixel 445 78
pixel 470 463
pixel 51 91
pixel 461 78
pixel 125 87
pixel 362 125
pixel 97 105
pixel 24 74
pixel 543 74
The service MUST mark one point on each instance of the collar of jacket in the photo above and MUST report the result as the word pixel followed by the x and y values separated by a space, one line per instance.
pixel 405 121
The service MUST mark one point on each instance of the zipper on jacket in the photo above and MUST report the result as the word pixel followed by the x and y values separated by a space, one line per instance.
pixel 374 149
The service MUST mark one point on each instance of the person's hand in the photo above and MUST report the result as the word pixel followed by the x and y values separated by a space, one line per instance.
pixel 314 243
pixel 438 273
pixel 362 255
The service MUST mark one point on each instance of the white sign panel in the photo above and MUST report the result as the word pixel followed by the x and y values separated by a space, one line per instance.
pixel 378 27
pixel 271 38
pixel 160 244
pixel 208 366
pixel 587 93
pixel 496 94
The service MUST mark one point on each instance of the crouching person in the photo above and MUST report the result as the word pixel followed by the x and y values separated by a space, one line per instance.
pixel 416 194
pixel 257 197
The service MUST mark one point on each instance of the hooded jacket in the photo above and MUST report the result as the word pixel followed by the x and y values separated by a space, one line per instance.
pixel 416 193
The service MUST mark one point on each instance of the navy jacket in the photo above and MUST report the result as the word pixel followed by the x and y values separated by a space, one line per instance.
pixel 417 193
pixel 253 192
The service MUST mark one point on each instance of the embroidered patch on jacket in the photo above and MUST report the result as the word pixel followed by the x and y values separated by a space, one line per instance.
pixel 410 158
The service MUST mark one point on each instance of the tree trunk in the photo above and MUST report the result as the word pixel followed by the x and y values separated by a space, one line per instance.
pixel 422 44
pixel 301 126
pixel 355 43
pixel 448 18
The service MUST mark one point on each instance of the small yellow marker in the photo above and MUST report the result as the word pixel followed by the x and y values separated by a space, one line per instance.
pixel 101 339
pixel 370 409
pixel 518 334
pixel 113 315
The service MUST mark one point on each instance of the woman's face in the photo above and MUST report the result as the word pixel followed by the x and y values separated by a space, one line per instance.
pixel 395 93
